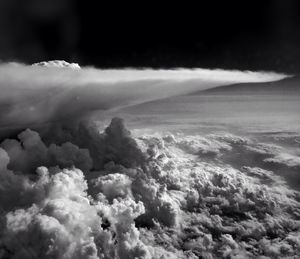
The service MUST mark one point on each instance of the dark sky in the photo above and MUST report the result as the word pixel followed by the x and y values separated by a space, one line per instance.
pixel 245 34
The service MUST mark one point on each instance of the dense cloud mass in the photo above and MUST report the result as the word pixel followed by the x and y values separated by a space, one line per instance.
pixel 69 190
pixel 75 192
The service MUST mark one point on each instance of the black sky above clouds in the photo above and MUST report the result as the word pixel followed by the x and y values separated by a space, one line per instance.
pixel 260 35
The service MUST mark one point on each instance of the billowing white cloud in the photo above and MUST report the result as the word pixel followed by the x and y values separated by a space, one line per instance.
pixel 158 196
pixel 59 224
pixel 284 158
pixel 112 186
pixel 31 152
pixel 57 64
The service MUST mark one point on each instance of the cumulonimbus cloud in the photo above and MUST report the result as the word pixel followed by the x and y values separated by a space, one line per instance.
pixel 71 191
pixel 35 94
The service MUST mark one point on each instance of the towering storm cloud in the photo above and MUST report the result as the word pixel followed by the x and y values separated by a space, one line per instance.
pixel 69 189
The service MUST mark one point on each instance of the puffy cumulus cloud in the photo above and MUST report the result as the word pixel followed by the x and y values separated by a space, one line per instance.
pixel 264 176
pixel 157 196
pixel 59 224
pixel 45 92
pixel 26 154
pixel 278 137
pixel 63 222
pixel 240 151
pixel 121 214
pixel 158 202
pixel 12 185
pixel 202 146
pixel 285 159
pixel 30 152
pixel 112 186
pixel 225 211
pixel 57 64
pixel 68 155
pixel 115 144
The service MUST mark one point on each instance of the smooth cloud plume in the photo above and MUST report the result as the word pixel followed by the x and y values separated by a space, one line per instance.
pixel 52 91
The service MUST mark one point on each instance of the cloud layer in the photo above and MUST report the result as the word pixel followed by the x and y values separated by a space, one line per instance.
pixel 156 196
